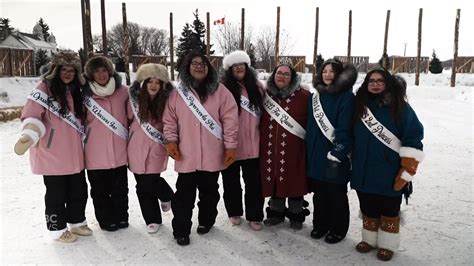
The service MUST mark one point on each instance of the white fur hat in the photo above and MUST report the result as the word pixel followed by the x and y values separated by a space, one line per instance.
pixel 152 70
pixel 234 58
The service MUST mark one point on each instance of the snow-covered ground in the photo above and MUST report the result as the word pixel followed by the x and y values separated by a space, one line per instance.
pixel 438 231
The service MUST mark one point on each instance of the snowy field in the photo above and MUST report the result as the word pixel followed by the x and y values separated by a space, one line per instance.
pixel 439 218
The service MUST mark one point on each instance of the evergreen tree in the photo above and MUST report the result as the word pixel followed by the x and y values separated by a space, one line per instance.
pixel 251 53
pixel 192 39
pixel 45 28
pixel 384 58
pixel 5 28
pixel 41 59
pixel 82 56
pixel 436 66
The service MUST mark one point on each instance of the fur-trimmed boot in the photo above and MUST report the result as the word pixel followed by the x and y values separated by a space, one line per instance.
pixel 297 213
pixel 370 228
pixel 273 217
pixel 388 237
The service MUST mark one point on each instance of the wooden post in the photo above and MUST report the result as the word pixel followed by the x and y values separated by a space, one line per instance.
pixel 455 56
pixel 385 59
pixel 104 28
pixel 315 53
pixel 242 30
pixel 90 47
pixel 277 38
pixel 84 31
pixel 418 55
pixel 171 46
pixel 349 38
pixel 125 43
pixel 208 48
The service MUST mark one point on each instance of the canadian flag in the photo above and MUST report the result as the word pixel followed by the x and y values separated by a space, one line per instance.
pixel 219 21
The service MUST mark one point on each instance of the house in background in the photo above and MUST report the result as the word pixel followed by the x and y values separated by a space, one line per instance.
pixel 34 41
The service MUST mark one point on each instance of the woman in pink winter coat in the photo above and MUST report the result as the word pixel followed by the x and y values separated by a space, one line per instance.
pixel 105 145
pixel 51 129
pixel 147 157
pixel 200 124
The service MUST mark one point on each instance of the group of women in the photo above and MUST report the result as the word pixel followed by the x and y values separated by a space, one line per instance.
pixel 283 139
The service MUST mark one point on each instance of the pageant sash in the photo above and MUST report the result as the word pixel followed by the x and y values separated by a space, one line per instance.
pixel 153 133
pixel 245 103
pixel 380 132
pixel 282 117
pixel 199 111
pixel 107 119
pixel 41 98
pixel 321 119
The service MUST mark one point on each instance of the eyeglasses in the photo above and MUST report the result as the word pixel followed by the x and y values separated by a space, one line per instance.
pixel 283 74
pixel 238 65
pixel 198 65
pixel 376 82
pixel 65 71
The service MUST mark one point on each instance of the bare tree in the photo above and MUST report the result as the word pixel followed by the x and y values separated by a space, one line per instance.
pixel 265 44
pixel 227 37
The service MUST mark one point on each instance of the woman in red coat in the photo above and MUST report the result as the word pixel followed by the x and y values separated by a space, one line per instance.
pixel 282 147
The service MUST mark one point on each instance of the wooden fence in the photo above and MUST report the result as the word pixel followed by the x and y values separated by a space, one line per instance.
pixel 138 60
pixel 360 62
pixel 465 64
pixel 401 64
pixel 16 62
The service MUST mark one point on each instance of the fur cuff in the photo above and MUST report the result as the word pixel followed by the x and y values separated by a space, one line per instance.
pixel 332 157
pixel 32 134
pixel 406 176
pixel 36 122
pixel 77 225
pixel 410 152
pixel 390 241
pixel 370 237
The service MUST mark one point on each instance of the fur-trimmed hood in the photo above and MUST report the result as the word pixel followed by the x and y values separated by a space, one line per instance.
pixel 95 62
pixel 344 81
pixel 135 88
pixel 212 81
pixel 273 90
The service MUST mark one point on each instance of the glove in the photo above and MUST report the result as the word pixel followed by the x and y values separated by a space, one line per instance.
pixel 23 144
pixel 172 150
pixel 402 179
pixel 230 156
pixel 410 165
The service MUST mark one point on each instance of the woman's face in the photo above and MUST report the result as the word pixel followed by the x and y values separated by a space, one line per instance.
pixel 67 74
pixel 198 69
pixel 238 71
pixel 153 87
pixel 328 74
pixel 101 76
pixel 282 77
pixel 376 83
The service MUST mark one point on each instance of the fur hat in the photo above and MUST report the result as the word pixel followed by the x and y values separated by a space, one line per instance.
pixel 234 58
pixel 64 59
pixel 98 61
pixel 151 70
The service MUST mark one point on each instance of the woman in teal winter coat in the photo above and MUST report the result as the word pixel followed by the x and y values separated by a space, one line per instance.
pixel 387 150
pixel 329 142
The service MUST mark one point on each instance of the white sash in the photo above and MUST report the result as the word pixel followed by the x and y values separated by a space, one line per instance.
pixel 41 98
pixel 282 117
pixel 199 111
pixel 321 119
pixel 153 133
pixel 380 132
pixel 107 119
pixel 245 103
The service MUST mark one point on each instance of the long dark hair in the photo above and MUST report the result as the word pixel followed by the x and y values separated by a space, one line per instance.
pixel 337 67
pixel 58 93
pixel 249 82
pixel 152 109
pixel 205 87
pixel 395 93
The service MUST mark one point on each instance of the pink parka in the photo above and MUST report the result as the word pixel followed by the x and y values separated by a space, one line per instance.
pixel 200 149
pixel 59 151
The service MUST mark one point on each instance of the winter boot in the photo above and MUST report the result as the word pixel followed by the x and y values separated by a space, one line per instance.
pixel 388 237
pixel 369 234
pixel 297 213
pixel 273 217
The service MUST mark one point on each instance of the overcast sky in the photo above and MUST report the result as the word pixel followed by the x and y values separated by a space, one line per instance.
pixel 297 18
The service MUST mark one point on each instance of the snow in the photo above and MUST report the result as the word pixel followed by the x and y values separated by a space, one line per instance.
pixel 439 216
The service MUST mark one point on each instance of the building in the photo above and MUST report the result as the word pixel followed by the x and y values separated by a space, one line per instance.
pixel 34 41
